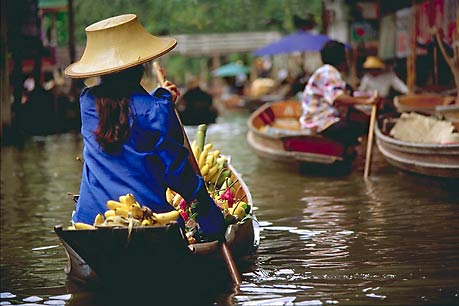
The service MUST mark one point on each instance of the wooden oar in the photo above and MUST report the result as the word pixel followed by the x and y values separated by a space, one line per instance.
pixel 234 273
pixel 370 140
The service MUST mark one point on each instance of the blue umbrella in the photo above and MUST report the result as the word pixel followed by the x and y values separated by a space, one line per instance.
pixel 231 69
pixel 300 41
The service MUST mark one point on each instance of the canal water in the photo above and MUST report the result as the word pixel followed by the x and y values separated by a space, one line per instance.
pixel 325 240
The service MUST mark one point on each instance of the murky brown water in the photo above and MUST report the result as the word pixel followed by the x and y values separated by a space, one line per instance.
pixel 391 240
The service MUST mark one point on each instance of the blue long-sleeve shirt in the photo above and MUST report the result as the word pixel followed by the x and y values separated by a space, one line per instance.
pixel 152 159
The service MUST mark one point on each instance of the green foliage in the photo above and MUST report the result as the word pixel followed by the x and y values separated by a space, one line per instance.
pixel 198 16
pixel 172 17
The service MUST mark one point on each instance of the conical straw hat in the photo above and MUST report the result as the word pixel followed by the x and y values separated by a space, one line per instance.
pixel 372 62
pixel 115 44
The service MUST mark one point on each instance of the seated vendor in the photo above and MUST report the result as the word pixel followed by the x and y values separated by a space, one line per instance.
pixel 377 78
pixel 324 93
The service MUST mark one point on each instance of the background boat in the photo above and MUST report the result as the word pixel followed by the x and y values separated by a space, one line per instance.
pixel 421 103
pixel 436 160
pixel 274 132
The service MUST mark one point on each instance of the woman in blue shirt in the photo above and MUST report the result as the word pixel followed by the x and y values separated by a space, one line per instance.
pixel 133 141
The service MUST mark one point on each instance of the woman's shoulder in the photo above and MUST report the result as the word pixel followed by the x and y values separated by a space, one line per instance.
pixel 145 102
pixel 149 108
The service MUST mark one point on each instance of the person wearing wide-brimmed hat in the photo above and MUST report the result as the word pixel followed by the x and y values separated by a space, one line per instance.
pixel 133 141
pixel 377 78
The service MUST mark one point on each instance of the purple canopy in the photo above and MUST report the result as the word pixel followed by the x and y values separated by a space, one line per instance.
pixel 300 41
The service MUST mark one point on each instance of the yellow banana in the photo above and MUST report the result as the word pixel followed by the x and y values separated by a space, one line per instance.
pixel 202 158
pixel 216 154
pixel 130 199
pixel 237 211
pixel 146 222
pixel 210 159
pixel 212 172
pixel 81 225
pixel 99 219
pixel 217 174
pixel 176 200
pixel 71 228
pixel 123 212
pixel 109 213
pixel 122 199
pixel 195 149
pixel 111 204
pixel 204 170
pixel 165 218
pixel 169 195
pixel 208 146
pixel 212 178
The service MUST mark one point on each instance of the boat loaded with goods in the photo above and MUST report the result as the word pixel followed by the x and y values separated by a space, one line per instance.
pixel 131 240
pixel 419 143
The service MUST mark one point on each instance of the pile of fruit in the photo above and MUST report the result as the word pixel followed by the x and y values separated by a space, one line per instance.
pixel 128 212
pixel 220 183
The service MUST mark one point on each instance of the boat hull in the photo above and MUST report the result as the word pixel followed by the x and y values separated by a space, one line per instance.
pixel 288 148
pixel 437 160
pixel 101 258
pixel 156 255
pixel 274 133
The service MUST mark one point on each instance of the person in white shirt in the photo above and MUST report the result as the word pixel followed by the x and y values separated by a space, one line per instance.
pixel 377 78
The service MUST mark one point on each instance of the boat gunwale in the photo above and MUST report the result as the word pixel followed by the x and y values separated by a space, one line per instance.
pixel 389 147
pixel 262 109
pixel 413 145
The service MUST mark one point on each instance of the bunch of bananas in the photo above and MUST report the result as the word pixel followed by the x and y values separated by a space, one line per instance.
pixel 128 212
pixel 212 165
pixel 218 178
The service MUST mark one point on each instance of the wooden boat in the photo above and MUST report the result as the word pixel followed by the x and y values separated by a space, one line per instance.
pixel 436 160
pixel 274 132
pixel 158 256
pixel 422 103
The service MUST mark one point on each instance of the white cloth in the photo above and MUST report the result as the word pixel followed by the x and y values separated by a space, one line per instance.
pixel 382 83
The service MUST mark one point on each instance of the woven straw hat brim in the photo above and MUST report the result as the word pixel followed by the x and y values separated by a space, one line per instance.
pixel 115 44
pixel 373 63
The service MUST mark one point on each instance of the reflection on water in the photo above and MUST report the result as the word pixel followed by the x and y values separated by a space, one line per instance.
pixel 391 240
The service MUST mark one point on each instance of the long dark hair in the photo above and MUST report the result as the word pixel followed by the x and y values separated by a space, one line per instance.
pixel 113 97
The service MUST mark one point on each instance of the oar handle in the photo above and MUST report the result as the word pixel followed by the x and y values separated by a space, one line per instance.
pixel 225 249
pixel 160 77
pixel 159 74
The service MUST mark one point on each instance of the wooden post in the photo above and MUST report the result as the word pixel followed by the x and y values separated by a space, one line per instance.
pixel 5 79
pixel 71 44
pixel 411 57
pixel 452 61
